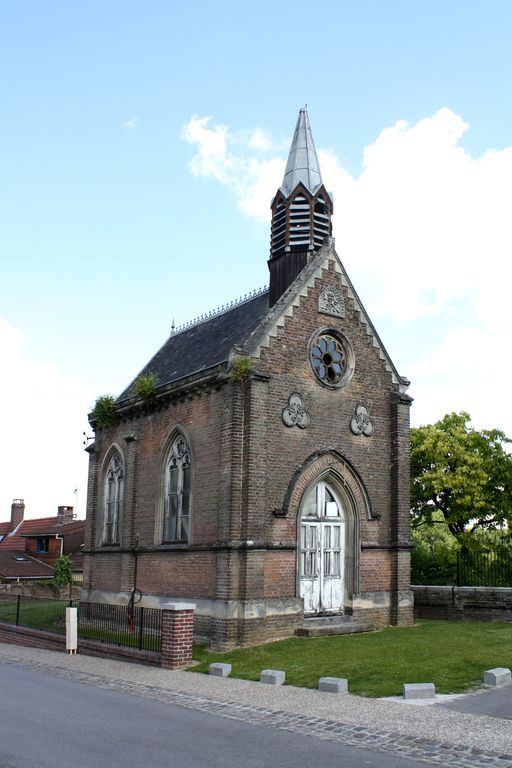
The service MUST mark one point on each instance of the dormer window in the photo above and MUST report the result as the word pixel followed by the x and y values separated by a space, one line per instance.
pixel 43 545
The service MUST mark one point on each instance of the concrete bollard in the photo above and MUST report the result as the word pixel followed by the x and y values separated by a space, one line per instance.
pixel 219 670
pixel 333 684
pixel 272 676
pixel 419 691
pixel 498 676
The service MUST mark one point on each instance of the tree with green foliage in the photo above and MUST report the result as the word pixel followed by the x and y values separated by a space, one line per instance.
pixel 434 557
pixel 463 473
pixel 63 573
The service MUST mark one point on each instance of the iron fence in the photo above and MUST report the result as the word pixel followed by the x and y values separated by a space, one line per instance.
pixel 484 569
pixel 125 625
pixel 36 612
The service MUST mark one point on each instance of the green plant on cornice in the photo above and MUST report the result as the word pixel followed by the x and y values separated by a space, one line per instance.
pixel 145 386
pixel 240 369
pixel 104 412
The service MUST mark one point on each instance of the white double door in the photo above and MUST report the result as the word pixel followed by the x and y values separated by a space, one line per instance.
pixel 321 556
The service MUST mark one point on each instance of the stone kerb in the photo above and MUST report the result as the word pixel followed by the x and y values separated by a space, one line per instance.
pixel 177 635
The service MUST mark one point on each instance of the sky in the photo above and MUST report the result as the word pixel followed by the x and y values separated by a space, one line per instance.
pixel 141 144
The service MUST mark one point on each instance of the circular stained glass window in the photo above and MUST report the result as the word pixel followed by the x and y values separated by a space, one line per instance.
pixel 331 359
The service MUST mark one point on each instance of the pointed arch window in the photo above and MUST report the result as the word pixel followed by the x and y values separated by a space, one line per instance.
pixel 177 493
pixel 113 501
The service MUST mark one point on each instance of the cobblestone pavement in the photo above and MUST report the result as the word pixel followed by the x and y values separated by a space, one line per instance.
pixel 425 750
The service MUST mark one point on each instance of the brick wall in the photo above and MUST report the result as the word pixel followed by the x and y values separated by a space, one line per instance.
pixel 463 603
pixel 249 473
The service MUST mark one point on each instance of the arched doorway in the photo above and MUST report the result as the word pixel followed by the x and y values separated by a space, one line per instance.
pixel 322 550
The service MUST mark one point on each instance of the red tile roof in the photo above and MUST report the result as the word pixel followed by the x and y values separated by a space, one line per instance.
pixel 43 526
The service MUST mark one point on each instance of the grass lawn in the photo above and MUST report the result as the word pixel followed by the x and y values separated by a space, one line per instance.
pixel 451 654
pixel 38 614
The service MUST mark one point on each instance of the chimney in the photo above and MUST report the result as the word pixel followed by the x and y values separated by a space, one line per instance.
pixel 17 513
pixel 64 515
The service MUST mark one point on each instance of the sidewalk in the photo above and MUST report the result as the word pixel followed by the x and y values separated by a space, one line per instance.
pixel 375 719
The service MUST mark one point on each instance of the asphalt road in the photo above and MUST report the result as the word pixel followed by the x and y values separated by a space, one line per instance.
pixel 495 702
pixel 51 722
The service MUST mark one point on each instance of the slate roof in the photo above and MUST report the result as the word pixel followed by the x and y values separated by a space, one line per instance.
pixel 205 344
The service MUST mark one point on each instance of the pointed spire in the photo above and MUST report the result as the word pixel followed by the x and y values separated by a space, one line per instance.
pixel 302 165
pixel 301 212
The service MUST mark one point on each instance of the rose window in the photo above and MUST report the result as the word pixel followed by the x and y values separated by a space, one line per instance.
pixel 331 359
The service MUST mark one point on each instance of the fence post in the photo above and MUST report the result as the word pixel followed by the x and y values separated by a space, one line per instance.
pixel 177 635
pixel 141 627
pixel 18 611
pixel 71 630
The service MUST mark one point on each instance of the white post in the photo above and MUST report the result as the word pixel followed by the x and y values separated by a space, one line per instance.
pixel 71 630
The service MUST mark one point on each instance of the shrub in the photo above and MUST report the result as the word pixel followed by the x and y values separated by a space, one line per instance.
pixel 145 386
pixel 240 369
pixel 104 412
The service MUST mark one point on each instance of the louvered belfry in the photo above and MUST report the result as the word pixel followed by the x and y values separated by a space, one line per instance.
pixel 301 212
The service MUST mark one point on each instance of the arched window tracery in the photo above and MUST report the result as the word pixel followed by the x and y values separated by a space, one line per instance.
pixel 176 522
pixel 113 488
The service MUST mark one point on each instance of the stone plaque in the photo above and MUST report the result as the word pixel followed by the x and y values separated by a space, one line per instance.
pixel 330 302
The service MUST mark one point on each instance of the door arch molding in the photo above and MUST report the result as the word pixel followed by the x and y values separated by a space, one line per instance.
pixel 337 472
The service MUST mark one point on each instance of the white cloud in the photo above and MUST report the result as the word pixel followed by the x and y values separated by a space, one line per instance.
pixel 43 416
pixel 236 162
pixel 131 124
pixel 425 233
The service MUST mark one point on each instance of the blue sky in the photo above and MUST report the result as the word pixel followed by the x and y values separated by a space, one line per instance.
pixel 141 144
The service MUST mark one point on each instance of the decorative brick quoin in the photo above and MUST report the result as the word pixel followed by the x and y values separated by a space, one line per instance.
pixel 264 473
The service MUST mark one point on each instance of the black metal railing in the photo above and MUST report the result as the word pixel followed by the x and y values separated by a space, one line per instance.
pixel 133 627
pixel 130 626
pixel 484 569
pixel 36 612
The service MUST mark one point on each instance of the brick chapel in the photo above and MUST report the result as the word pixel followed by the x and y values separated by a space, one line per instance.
pixel 266 478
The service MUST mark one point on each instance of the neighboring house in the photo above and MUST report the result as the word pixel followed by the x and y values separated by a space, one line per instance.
pixel 29 549
pixel 267 478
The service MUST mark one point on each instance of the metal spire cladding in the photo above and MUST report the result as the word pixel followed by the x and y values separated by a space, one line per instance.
pixel 302 166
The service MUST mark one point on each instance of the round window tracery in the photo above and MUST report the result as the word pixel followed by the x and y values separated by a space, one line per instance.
pixel 331 358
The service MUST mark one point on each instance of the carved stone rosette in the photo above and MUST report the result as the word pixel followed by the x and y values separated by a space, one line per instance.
pixel 361 423
pixel 295 415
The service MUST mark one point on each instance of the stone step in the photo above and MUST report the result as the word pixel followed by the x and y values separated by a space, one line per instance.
pixel 322 626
